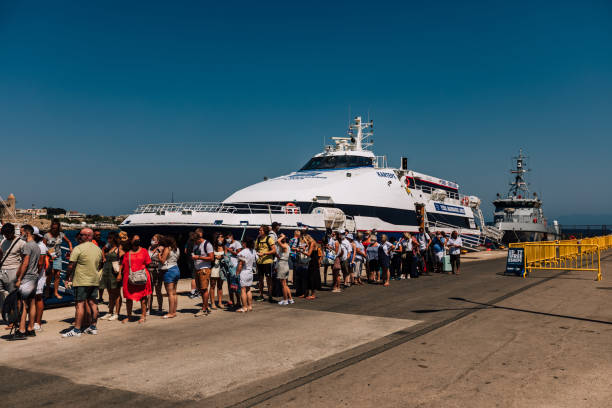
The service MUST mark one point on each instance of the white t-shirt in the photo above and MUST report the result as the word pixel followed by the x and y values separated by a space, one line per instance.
pixel 407 245
pixel 423 239
pixel 387 247
pixel 13 260
pixel 346 249
pixel 236 246
pixel 43 251
pixel 202 249
pixel 248 257
pixel 455 250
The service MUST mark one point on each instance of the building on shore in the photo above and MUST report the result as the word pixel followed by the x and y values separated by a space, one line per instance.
pixel 8 209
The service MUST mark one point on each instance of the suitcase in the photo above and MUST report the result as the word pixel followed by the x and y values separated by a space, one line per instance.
pixel 446 264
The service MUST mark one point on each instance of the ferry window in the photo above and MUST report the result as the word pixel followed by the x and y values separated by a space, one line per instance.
pixel 337 162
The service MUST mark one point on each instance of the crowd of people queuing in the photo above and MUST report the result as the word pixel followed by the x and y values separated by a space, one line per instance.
pixel 132 271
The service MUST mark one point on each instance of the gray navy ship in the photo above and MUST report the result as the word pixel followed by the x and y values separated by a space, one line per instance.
pixel 519 215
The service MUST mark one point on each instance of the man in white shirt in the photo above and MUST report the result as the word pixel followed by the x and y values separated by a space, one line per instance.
pixel 454 244
pixel 346 250
pixel 424 241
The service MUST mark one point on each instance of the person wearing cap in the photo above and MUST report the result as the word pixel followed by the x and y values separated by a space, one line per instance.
pixel 265 245
pixel 54 240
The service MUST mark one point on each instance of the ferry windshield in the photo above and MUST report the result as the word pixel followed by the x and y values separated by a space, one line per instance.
pixel 337 162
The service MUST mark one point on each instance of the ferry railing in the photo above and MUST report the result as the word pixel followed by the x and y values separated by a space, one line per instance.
pixel 450 194
pixel 248 208
pixel 470 242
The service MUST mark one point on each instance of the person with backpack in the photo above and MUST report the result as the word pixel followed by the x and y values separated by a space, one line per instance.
pixel 203 256
pixel 232 249
pixel 54 240
pixel 266 251
pixel 396 259
pixel 438 249
pixel 26 283
pixel 11 251
pixel 345 259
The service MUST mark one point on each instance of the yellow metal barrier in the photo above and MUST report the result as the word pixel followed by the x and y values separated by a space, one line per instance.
pixel 576 255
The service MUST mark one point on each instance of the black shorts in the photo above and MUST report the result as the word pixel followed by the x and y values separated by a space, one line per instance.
pixel 82 293
pixel 455 261
pixel 265 269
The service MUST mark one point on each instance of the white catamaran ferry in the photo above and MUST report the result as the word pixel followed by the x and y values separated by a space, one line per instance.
pixel 345 186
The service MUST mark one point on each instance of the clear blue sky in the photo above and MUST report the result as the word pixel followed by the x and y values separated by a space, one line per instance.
pixel 104 107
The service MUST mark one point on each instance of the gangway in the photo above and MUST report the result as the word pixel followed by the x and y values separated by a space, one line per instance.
pixel 470 242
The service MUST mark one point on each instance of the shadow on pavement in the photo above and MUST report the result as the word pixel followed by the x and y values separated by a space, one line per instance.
pixel 490 306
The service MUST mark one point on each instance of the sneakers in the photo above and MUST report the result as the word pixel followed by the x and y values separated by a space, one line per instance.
pixel 30 333
pixel 201 313
pixel 72 333
pixel 259 299
pixel 193 294
pixel 18 335
pixel 290 301
pixel 105 317
pixel 283 302
pixel 113 317
pixel 91 330
pixel 37 327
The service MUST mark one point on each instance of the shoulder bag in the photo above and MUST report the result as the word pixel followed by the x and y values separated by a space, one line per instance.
pixel 136 277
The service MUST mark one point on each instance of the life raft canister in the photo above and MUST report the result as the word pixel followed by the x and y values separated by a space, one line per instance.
pixel 465 201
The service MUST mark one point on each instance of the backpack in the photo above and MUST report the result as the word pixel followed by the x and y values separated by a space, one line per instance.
pixel 11 312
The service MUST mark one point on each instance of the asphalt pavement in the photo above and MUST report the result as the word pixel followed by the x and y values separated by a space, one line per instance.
pixel 477 339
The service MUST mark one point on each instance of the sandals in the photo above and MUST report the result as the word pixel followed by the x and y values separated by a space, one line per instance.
pixel 242 310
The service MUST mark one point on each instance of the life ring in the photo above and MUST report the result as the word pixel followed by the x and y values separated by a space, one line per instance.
pixel 465 201
pixel 290 208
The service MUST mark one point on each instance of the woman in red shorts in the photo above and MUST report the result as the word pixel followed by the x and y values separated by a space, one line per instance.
pixel 138 258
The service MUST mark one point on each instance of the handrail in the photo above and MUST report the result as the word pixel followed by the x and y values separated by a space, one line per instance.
pixel 214 207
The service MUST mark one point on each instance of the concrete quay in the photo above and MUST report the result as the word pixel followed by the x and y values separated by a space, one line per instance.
pixel 479 339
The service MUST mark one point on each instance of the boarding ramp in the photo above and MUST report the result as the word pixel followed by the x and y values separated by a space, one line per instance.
pixel 567 255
